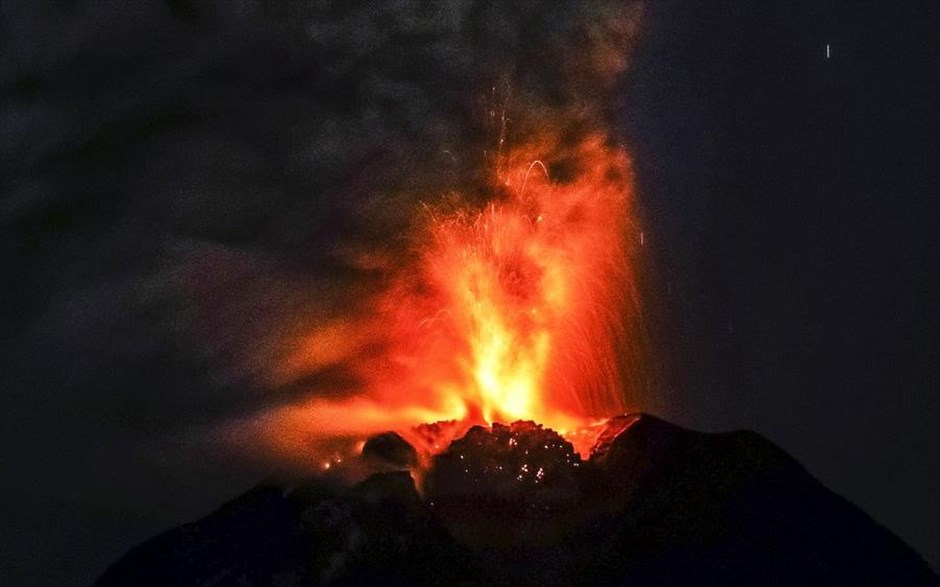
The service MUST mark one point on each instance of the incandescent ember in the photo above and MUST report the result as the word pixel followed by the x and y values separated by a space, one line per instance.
pixel 520 461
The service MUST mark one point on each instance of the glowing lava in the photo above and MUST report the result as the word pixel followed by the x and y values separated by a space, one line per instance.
pixel 512 310
pixel 529 293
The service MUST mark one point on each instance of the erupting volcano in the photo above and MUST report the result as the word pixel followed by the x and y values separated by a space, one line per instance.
pixel 529 292
pixel 456 410
pixel 512 309
pixel 517 299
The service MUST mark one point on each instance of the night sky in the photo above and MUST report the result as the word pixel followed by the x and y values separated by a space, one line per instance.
pixel 794 202
pixel 790 205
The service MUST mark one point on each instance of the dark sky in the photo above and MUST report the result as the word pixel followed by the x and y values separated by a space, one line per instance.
pixel 790 202
pixel 794 201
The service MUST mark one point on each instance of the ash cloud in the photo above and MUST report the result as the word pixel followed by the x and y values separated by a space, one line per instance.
pixel 189 189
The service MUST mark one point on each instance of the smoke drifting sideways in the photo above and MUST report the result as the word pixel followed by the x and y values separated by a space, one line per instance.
pixel 212 214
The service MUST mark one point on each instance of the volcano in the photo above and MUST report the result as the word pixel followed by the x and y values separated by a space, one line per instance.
pixel 651 504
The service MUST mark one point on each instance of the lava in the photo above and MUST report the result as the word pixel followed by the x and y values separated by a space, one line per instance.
pixel 473 255
pixel 526 293
pixel 511 310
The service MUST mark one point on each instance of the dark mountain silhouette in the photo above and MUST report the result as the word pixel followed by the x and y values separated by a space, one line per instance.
pixel 654 505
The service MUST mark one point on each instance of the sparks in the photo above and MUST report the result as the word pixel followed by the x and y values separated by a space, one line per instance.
pixel 512 312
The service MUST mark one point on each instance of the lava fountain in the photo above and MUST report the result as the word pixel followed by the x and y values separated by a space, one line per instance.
pixel 513 309
pixel 513 294
pixel 524 296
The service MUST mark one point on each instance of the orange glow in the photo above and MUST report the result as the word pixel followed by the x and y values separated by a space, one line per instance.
pixel 528 293
pixel 522 308
pixel 510 311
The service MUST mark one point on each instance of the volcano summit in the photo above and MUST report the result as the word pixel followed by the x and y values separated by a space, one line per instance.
pixel 654 504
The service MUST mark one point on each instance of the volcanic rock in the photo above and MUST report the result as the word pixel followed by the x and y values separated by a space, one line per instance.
pixel 655 505
pixel 392 449
pixel 378 532
pixel 516 461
